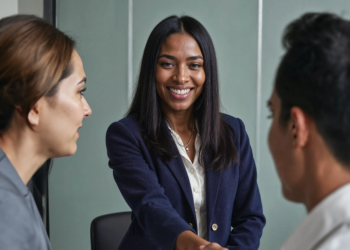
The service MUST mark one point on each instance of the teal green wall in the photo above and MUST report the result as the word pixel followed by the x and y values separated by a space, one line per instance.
pixel 82 186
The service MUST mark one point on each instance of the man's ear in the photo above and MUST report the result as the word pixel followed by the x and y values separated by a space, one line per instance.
pixel 34 114
pixel 301 126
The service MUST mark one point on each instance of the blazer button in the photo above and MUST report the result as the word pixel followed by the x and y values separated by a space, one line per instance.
pixel 191 225
pixel 214 227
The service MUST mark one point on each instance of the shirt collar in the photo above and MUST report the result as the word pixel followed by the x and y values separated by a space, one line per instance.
pixel 327 215
pixel 9 172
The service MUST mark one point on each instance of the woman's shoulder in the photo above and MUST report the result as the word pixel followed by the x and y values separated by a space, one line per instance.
pixel 12 201
pixel 126 127
pixel 10 182
pixel 241 136
pixel 21 230
pixel 129 122
pixel 235 123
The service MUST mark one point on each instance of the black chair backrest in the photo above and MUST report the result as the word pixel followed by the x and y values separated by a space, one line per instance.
pixel 107 231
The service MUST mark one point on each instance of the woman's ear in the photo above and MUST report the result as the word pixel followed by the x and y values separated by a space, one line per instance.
pixel 300 126
pixel 34 114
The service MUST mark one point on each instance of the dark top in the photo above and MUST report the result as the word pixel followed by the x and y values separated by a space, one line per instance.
pixel 21 227
pixel 160 196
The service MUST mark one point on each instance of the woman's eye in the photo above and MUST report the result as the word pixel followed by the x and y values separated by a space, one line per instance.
pixel 195 65
pixel 166 64
pixel 270 116
pixel 82 91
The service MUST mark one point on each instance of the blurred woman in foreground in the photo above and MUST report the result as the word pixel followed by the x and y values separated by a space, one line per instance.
pixel 41 109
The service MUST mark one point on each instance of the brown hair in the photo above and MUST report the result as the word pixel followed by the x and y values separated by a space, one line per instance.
pixel 35 56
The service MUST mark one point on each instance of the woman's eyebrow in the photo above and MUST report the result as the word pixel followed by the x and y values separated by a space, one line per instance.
pixel 175 59
pixel 168 56
pixel 82 81
pixel 194 58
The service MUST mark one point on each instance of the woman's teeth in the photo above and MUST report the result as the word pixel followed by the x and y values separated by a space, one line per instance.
pixel 180 92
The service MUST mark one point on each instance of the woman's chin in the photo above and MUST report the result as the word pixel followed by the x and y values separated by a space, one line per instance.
pixel 180 107
pixel 67 152
pixel 73 150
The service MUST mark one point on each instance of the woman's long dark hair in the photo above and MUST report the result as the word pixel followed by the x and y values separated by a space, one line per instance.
pixel 217 137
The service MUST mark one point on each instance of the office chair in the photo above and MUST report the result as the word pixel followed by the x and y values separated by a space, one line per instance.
pixel 107 231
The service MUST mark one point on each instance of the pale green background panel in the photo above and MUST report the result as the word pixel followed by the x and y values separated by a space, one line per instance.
pixel 282 216
pixel 33 7
pixel 233 26
pixel 82 186
pixel 8 7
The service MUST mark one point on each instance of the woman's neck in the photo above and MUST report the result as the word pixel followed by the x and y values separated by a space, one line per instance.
pixel 22 151
pixel 179 121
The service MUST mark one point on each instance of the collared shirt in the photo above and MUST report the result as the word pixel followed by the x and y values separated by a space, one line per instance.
pixel 196 175
pixel 21 226
pixel 326 227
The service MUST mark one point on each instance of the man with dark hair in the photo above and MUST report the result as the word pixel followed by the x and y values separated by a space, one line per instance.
pixel 310 133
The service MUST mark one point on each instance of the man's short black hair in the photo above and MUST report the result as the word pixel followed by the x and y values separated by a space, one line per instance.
pixel 314 75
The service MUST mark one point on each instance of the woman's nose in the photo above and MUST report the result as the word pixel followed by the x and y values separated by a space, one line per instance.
pixel 182 74
pixel 87 109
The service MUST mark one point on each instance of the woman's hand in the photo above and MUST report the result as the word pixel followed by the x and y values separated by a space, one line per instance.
pixel 188 240
pixel 212 246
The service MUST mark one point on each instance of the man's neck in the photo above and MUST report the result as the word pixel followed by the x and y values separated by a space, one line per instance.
pixel 328 176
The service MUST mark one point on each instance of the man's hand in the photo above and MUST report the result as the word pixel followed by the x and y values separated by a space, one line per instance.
pixel 212 246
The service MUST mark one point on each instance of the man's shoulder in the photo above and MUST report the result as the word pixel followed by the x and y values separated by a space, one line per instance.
pixel 338 239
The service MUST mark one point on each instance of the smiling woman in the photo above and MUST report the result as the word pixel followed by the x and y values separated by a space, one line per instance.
pixel 185 169
pixel 41 109
pixel 180 61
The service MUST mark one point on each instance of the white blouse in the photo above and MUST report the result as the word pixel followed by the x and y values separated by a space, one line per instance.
pixel 196 175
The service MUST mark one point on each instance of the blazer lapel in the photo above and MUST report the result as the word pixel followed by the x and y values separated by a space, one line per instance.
pixel 213 179
pixel 178 169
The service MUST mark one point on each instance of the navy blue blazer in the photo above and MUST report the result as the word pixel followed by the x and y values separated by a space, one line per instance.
pixel 159 194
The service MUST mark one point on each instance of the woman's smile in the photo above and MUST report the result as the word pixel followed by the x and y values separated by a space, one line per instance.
pixel 179 93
